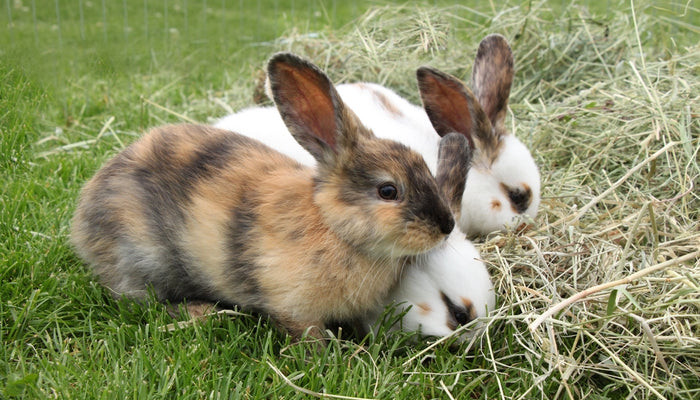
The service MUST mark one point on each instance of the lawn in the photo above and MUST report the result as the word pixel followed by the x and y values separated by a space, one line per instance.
pixel 606 96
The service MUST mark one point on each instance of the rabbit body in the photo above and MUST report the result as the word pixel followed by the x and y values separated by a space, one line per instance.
pixel 266 125
pixel 387 114
pixel 200 214
pixel 392 117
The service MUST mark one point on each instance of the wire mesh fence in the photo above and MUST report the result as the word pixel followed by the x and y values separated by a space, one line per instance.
pixel 65 23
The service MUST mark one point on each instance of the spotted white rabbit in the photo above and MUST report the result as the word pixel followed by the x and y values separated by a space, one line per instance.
pixel 503 187
pixel 199 214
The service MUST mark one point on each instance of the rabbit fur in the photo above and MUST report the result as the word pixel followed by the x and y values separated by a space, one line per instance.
pixel 446 287
pixel 199 214
pixel 449 286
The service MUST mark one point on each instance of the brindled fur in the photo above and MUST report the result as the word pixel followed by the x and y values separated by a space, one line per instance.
pixel 199 214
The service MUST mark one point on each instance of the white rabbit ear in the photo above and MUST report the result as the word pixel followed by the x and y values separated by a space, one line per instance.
pixel 452 107
pixel 492 77
pixel 311 108
pixel 454 161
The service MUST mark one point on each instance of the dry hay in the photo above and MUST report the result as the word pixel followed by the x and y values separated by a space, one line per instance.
pixel 612 119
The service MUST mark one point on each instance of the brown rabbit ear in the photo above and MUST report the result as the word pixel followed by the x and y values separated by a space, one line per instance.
pixel 492 77
pixel 310 107
pixel 454 161
pixel 452 107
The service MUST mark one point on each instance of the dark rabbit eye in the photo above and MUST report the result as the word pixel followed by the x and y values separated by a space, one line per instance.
pixel 388 191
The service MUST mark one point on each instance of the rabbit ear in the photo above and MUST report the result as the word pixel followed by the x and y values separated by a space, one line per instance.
pixel 452 107
pixel 454 161
pixel 492 77
pixel 311 108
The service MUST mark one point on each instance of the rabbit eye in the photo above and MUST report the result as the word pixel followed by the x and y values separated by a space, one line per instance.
pixel 388 191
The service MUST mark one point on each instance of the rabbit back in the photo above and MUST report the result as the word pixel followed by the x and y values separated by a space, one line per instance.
pixel 385 113
pixel 392 117
pixel 155 216
pixel 266 125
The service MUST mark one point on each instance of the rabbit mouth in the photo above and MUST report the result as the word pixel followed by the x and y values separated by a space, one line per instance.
pixel 419 239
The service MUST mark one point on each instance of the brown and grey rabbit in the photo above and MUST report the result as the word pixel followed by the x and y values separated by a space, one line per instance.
pixel 199 214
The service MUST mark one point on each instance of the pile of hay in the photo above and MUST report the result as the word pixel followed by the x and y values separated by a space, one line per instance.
pixel 610 111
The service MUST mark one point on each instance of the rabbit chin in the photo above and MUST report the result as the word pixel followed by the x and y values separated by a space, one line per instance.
pixel 407 246
pixel 486 207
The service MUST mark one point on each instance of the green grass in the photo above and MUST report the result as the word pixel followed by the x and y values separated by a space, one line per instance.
pixel 598 91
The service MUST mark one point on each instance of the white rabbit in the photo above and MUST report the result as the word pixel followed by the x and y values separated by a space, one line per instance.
pixel 446 288
pixel 503 187
pixel 382 110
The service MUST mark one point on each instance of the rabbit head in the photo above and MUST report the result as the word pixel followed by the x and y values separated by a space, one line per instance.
pixel 449 286
pixel 503 186
pixel 376 193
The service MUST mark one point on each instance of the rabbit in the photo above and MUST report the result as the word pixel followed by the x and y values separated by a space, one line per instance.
pixel 444 288
pixel 503 188
pixel 197 214
pixel 448 286
pixel 266 125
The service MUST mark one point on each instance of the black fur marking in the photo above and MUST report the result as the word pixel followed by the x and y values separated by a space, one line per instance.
pixel 296 234
pixel 319 255
pixel 101 222
pixel 181 285
pixel 167 179
pixel 211 158
pixel 362 184
pixel 165 189
pixel 520 199
pixel 459 315
pixel 454 159
pixel 241 266
pixel 431 208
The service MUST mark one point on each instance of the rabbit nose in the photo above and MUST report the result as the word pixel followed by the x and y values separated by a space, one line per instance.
pixel 447 225
pixel 458 315
pixel 520 197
